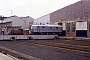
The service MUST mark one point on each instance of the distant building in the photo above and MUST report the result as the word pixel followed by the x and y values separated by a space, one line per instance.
pixel 75 19
pixel 15 22
pixel 42 20
pixel 2 17
pixel 19 21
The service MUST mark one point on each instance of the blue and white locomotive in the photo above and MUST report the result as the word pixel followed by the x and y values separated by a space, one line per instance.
pixel 46 30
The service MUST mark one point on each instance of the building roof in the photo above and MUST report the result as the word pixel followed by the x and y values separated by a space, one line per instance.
pixel 5 21
pixel 2 18
pixel 48 25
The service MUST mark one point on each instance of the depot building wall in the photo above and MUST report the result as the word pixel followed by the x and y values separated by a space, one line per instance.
pixel 74 18
pixel 42 20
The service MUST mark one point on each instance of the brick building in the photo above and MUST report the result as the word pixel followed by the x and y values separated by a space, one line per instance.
pixel 75 19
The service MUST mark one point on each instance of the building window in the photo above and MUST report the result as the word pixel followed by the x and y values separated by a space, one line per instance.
pixel 78 12
pixel 63 14
pixel 59 23
pixel 73 26
pixel 59 14
pixel 55 15
pixel 68 27
pixel 68 13
pixel 84 11
pixel 73 12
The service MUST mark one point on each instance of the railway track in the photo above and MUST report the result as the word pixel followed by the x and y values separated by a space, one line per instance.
pixel 82 48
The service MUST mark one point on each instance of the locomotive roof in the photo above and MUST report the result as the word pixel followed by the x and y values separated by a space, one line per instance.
pixel 49 25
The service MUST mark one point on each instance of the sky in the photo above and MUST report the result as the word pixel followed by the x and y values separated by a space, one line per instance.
pixel 32 8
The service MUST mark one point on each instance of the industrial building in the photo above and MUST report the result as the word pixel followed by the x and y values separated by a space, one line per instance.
pixel 14 22
pixel 74 18
pixel 42 20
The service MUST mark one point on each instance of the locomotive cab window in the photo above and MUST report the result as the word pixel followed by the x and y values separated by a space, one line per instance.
pixel 50 27
pixel 56 27
pixel 43 27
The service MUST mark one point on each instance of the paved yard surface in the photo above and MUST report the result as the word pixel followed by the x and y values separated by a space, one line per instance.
pixel 51 49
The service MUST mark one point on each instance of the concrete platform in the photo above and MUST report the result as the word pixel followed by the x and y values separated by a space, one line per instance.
pixel 5 57
pixel 74 38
